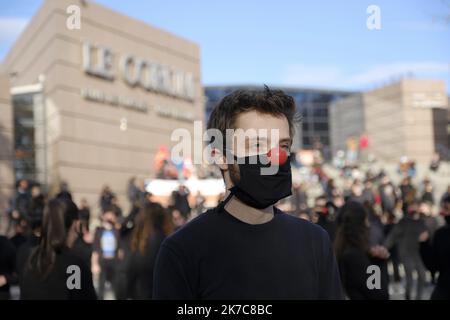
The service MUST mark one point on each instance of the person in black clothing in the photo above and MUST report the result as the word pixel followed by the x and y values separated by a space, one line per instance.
pixel 355 254
pixel 388 195
pixel 37 203
pixel 368 194
pixel 64 193
pixel 405 235
pixel 326 213
pixel 82 246
pixel 106 198
pixel 246 248
pixel 436 254
pixel 132 191
pixel 117 209
pixel 180 201
pixel 19 237
pixel 22 200
pixel 105 254
pixel 376 229
pixel 26 243
pixel 427 192
pixel 152 226
pixel 444 196
pixel 125 235
pixel 330 190
pixel 20 208
pixel 85 213
pixel 7 267
pixel 393 258
pixel 47 272
pixel 408 192
pixel 24 251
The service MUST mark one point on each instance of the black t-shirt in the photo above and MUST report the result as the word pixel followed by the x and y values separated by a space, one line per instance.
pixel 353 266
pixel 54 286
pixel 141 266
pixel 217 256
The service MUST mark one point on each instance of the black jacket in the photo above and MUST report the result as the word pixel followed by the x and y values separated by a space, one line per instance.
pixel 140 269
pixel 55 285
pixel 353 267
pixel 436 257
pixel 7 263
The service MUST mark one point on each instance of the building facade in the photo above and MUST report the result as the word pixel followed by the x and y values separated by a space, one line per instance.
pixel 92 105
pixel 408 118
pixel 347 121
pixel 7 146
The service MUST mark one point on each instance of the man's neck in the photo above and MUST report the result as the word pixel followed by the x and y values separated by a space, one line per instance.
pixel 248 214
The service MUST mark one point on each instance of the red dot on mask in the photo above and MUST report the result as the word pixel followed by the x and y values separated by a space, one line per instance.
pixel 277 156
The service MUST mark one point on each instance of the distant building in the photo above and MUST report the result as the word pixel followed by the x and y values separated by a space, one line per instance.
pixel 407 118
pixel 91 106
pixel 347 121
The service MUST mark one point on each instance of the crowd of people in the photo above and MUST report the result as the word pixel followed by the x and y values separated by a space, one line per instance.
pixel 48 235
pixel 372 221
pixel 403 229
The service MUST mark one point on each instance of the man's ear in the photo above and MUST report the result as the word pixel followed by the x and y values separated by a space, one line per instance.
pixel 219 159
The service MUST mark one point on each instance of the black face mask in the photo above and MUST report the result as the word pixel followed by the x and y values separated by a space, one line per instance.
pixel 258 190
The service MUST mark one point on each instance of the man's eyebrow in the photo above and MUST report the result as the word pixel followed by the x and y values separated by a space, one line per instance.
pixel 286 140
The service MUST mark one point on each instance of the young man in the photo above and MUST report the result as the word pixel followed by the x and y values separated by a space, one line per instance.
pixel 246 248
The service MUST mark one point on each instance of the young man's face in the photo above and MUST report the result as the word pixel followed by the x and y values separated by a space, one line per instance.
pixel 258 142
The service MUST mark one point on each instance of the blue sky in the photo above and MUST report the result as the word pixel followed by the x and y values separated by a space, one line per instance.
pixel 323 44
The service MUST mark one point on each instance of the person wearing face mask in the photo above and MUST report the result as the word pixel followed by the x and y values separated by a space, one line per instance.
pixel 247 248
pixel 326 213
pixel 435 253
pixel 406 236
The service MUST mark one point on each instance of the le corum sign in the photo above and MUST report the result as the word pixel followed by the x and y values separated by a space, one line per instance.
pixel 137 72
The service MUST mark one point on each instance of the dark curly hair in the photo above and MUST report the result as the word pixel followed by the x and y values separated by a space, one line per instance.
pixel 266 101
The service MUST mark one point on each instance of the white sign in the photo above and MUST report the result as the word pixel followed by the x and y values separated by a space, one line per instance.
pixel 206 187
pixel 429 100
pixel 137 72
pixel 114 100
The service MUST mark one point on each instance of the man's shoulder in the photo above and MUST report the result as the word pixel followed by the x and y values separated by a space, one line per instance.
pixel 196 226
pixel 302 226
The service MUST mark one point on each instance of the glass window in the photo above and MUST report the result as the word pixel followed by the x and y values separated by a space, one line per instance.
pixel 24 134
